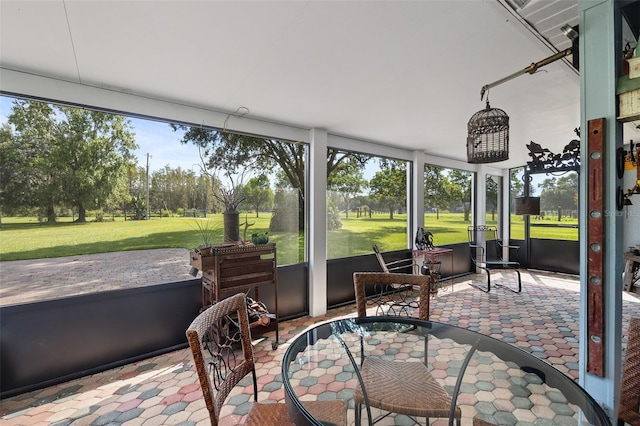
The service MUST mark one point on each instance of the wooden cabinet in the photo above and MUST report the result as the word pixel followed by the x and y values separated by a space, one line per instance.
pixel 235 269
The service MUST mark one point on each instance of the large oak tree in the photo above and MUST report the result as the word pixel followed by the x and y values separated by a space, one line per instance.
pixel 64 156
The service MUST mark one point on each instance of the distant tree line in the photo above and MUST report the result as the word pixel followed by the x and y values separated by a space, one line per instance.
pixel 57 158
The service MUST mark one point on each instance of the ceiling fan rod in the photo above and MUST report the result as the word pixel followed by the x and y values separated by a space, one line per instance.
pixel 530 70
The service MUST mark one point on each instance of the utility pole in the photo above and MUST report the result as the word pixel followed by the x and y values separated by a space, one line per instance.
pixel 148 216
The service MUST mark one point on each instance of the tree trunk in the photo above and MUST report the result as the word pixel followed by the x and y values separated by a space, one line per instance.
pixel 51 214
pixel 82 214
pixel 391 212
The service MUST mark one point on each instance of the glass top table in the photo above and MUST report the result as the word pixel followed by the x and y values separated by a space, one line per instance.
pixel 487 379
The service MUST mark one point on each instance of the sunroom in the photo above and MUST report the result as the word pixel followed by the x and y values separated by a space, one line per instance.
pixel 397 82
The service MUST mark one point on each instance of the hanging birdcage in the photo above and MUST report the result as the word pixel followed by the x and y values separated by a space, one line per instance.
pixel 488 136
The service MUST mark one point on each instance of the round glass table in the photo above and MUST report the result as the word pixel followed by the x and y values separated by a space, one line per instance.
pixel 489 381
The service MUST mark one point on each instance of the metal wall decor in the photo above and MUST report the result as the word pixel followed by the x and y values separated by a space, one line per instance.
pixel 488 136
pixel 545 161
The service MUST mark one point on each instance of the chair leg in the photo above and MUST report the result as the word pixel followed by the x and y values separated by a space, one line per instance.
pixel 519 283
pixel 358 410
pixel 255 385
pixel 488 289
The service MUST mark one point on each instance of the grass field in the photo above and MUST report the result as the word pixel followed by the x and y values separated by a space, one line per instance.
pixel 26 238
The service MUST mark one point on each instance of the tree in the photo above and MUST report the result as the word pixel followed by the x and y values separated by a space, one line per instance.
pixel 258 193
pixel 14 183
pixel 30 177
pixel 491 195
pixel 434 190
pixel 228 151
pixel 72 156
pixel 517 184
pixel 559 193
pixel 173 188
pixel 462 194
pixel 92 149
pixel 389 185
pixel 347 182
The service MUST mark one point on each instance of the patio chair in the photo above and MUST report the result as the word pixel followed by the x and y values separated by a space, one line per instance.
pixel 490 257
pixel 402 265
pixel 629 404
pixel 398 386
pixel 213 338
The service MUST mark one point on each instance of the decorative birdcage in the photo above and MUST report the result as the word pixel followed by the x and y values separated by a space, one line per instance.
pixel 488 136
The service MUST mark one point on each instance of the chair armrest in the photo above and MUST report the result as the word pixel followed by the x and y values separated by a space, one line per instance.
pixel 395 262
pixel 403 264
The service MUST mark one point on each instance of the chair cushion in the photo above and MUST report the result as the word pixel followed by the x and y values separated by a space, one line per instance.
pixel 404 388
pixel 276 414
pixel 268 415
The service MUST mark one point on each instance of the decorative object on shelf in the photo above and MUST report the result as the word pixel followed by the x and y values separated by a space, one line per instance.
pixel 246 226
pixel 628 87
pixel 424 239
pixel 260 237
pixel 231 197
pixel 631 157
pixel 488 136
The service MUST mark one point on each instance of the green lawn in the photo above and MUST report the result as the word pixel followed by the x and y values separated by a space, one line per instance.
pixel 25 238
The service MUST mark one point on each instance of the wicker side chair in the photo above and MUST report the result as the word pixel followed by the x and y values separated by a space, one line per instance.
pixel 213 338
pixel 397 386
pixel 629 405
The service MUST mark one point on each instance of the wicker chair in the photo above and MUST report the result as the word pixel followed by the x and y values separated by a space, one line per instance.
pixel 212 336
pixel 629 405
pixel 395 386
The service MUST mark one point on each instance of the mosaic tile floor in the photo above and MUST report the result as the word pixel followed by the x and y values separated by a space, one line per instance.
pixel 543 320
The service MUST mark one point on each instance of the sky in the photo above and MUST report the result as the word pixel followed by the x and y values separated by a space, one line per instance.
pixel 154 138
pixel 163 146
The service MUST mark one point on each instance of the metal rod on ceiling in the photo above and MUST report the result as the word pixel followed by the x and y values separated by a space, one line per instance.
pixel 530 69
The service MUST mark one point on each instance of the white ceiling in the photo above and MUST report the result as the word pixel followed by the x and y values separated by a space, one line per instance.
pixel 400 73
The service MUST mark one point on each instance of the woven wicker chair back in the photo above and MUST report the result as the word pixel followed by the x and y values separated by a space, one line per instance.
pixel 629 406
pixel 395 288
pixel 211 336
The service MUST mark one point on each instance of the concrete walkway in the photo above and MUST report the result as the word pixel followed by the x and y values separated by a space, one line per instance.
pixel 42 279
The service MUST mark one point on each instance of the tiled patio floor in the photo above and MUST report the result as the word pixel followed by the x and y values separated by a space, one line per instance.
pixel 543 319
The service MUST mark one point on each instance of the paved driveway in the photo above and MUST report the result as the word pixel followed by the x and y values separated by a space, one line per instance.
pixel 41 279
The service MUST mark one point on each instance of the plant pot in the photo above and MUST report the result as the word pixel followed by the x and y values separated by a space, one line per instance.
pixel 231 222
pixel 205 250
pixel 260 240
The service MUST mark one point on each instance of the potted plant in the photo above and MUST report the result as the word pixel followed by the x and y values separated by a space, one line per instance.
pixel 260 237
pixel 231 197
pixel 206 230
